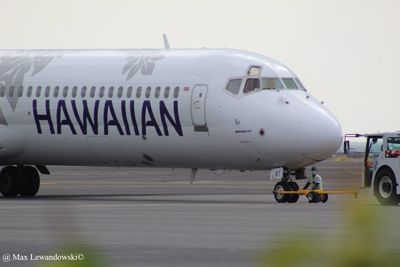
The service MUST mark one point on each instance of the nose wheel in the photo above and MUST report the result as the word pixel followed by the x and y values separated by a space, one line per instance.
pixel 286 186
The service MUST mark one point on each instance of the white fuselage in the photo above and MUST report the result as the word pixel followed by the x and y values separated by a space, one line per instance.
pixel 113 107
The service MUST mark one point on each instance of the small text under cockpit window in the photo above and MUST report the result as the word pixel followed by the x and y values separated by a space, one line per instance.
pixel 234 86
pixel 271 83
pixel 290 83
pixel 251 85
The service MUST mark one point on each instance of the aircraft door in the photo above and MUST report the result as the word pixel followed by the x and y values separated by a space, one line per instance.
pixel 198 108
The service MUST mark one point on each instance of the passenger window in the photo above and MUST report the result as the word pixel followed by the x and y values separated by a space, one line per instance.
pixel 28 92
pixel 102 90
pixel 65 91
pixel 138 92
pixel 157 93
pixel 271 83
pixel 120 91
pixel 74 91
pixel 38 91
pixel 251 85
pixel 166 92
pixel 56 91
pixel 176 92
pixel 11 91
pixel 47 92
pixel 129 92
pixel 289 83
pixel 92 91
pixel 110 92
pixel 2 91
pixel 83 92
pixel 20 91
pixel 148 92
pixel 300 84
pixel 234 86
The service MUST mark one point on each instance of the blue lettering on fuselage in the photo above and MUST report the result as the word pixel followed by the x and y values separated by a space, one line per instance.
pixel 88 115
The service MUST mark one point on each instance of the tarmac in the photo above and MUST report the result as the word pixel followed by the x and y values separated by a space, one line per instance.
pixel 155 217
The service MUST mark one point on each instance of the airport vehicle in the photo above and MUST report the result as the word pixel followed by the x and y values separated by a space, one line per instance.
pixel 177 108
pixel 381 165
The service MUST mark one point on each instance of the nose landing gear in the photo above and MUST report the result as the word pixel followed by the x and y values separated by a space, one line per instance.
pixel 285 185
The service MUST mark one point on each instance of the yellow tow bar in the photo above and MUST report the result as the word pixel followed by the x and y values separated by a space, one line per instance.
pixel 304 192
pixel 313 196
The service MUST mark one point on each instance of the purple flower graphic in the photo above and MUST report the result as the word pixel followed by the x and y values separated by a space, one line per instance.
pixel 144 63
pixel 15 67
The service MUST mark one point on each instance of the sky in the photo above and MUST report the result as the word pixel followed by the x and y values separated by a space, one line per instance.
pixel 347 53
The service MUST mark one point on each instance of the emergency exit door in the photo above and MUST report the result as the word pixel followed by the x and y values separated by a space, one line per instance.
pixel 198 108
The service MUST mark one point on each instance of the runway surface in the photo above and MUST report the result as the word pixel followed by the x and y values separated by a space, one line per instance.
pixel 154 217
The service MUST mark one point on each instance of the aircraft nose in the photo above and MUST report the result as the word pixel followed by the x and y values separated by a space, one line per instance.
pixel 325 135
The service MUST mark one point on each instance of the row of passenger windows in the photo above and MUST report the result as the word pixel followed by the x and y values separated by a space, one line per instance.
pixel 252 84
pixel 89 92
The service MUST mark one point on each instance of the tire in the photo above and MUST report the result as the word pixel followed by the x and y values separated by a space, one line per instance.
pixel 281 186
pixel 310 197
pixel 9 182
pixel 294 187
pixel 29 181
pixel 385 188
pixel 324 198
pixel 313 197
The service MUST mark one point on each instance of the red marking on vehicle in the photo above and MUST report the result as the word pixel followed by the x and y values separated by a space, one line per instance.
pixel 392 153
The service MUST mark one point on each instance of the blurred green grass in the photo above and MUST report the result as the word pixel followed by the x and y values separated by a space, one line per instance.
pixel 91 255
pixel 359 245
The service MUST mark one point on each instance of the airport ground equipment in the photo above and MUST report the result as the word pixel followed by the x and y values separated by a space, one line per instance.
pixel 381 165
pixel 313 196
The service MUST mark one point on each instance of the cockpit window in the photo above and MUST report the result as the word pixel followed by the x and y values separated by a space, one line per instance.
pixel 290 83
pixel 300 84
pixel 254 71
pixel 271 83
pixel 251 85
pixel 234 86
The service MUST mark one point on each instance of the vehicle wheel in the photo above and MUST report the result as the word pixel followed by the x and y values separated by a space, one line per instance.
pixel 294 187
pixel 29 181
pixel 385 188
pixel 310 197
pixel 281 186
pixel 313 197
pixel 9 182
pixel 324 198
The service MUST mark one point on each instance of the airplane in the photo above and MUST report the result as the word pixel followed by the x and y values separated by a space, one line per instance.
pixel 218 109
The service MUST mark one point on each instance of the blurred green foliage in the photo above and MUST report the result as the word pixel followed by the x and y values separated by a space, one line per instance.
pixel 360 244
pixel 90 254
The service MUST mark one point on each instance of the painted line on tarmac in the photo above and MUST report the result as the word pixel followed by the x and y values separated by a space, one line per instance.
pixel 156 185
pixel 50 207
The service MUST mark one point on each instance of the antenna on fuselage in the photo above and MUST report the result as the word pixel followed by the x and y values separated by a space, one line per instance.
pixel 166 43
